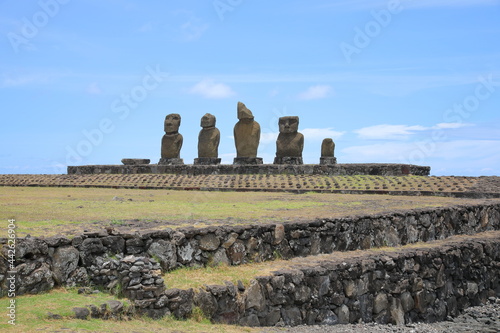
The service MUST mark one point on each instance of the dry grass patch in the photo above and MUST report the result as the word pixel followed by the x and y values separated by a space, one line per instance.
pixel 69 211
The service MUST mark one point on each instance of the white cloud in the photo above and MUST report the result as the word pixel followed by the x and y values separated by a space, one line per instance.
pixel 316 92
pixel 399 132
pixel 389 152
pixel 310 134
pixel 474 155
pixel 209 89
pixel 23 80
pixel 320 133
pixel 268 137
pixel 451 125
pixel 372 4
pixel 386 131
pixel 94 89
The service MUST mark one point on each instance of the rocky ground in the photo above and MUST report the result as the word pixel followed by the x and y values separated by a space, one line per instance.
pixel 480 319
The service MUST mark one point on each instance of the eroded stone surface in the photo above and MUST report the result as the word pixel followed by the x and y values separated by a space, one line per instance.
pixel 327 148
pixel 290 142
pixel 65 262
pixel 246 133
pixel 135 161
pixel 171 142
pixel 209 137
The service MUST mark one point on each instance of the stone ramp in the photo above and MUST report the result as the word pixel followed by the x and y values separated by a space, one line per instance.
pixel 474 187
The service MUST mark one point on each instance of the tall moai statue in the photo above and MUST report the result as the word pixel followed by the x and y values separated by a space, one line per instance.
pixel 171 143
pixel 208 141
pixel 290 142
pixel 327 152
pixel 246 137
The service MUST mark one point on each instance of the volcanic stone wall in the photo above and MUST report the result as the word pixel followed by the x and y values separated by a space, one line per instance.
pixel 267 169
pixel 42 263
pixel 425 284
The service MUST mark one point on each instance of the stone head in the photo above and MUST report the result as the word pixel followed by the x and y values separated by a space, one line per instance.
pixel 327 148
pixel 328 142
pixel 244 112
pixel 289 124
pixel 208 120
pixel 172 123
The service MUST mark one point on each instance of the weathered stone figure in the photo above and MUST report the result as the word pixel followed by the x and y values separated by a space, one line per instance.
pixel 246 137
pixel 208 141
pixel 171 143
pixel 327 152
pixel 290 142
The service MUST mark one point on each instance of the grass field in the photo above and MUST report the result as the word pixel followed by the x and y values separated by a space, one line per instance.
pixel 69 211
pixel 31 316
pixel 47 211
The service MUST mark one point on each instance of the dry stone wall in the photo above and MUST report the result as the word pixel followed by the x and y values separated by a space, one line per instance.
pixel 423 285
pixel 43 263
pixel 382 169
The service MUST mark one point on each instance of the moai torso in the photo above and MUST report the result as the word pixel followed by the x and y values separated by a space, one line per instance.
pixel 209 137
pixel 290 143
pixel 171 143
pixel 246 133
pixel 327 148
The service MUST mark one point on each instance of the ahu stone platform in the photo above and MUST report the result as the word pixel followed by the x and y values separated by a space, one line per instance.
pixel 379 169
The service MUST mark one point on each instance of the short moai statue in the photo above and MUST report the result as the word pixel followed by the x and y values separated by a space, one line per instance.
pixel 246 137
pixel 327 152
pixel 171 143
pixel 290 142
pixel 208 142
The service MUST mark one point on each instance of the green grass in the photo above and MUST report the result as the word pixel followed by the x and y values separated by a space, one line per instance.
pixel 69 211
pixel 196 277
pixel 31 316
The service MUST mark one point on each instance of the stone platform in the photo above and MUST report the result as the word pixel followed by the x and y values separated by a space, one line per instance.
pixel 379 169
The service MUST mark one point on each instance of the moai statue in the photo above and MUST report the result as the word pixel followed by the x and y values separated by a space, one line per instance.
pixel 290 143
pixel 171 143
pixel 327 152
pixel 246 137
pixel 208 141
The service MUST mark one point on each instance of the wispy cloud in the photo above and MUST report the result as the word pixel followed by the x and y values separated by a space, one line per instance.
pixel 210 89
pixel 146 27
pixel 310 134
pixel 193 28
pixel 474 154
pixel 23 80
pixel 320 133
pixel 268 137
pixel 94 89
pixel 399 132
pixel 386 131
pixel 353 5
pixel 316 92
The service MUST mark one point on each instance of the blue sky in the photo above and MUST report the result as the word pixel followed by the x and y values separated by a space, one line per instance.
pixel 90 82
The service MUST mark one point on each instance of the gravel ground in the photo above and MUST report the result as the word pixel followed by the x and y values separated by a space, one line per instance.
pixel 480 319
